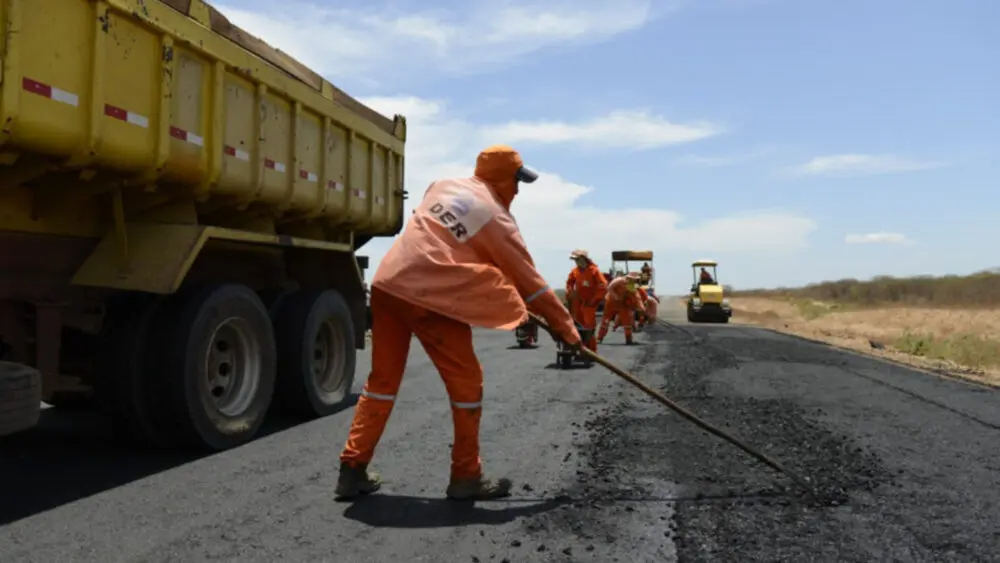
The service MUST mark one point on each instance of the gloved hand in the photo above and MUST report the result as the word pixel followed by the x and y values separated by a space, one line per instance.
pixel 571 339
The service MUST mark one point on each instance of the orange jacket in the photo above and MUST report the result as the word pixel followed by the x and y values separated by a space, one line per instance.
pixel 462 254
pixel 649 302
pixel 619 295
pixel 589 284
pixel 646 296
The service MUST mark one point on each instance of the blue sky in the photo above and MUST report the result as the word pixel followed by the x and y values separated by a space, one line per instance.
pixel 792 140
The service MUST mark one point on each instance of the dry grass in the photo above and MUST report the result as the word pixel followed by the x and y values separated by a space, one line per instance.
pixel 936 323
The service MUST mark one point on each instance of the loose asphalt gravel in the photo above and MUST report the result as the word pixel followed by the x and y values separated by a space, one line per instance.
pixel 906 465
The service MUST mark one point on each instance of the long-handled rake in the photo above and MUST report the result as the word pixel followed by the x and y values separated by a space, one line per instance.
pixel 667 402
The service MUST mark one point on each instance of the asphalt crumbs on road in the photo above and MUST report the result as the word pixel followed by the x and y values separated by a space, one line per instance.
pixel 908 464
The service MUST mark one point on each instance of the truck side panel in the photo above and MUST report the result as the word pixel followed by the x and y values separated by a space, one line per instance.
pixel 145 95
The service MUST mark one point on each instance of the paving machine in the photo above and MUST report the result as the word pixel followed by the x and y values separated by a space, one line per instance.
pixel 707 301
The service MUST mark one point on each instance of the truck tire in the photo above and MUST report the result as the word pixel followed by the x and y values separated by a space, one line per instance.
pixel 273 299
pixel 20 397
pixel 316 353
pixel 213 359
pixel 121 383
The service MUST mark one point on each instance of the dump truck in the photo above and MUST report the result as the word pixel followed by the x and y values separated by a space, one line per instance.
pixel 707 300
pixel 181 207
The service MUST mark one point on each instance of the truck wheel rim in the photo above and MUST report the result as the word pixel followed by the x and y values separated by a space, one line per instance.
pixel 232 367
pixel 327 362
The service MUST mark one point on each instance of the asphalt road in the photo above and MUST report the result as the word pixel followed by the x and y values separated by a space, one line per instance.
pixel 908 465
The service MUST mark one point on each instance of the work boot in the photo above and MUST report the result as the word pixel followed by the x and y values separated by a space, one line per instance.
pixel 478 488
pixel 354 481
pixel 628 341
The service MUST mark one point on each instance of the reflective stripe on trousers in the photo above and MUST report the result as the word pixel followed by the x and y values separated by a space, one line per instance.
pixel 449 345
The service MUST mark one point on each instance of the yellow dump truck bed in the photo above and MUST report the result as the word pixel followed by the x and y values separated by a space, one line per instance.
pixel 168 96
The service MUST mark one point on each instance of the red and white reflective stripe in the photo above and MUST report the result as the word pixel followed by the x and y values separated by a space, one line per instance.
pixel 308 176
pixel 359 194
pixel 120 114
pixel 186 136
pixel 333 184
pixel 274 165
pixel 236 153
pixel 50 92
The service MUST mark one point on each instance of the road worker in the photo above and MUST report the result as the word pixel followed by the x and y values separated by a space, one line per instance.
pixel 705 277
pixel 460 262
pixel 621 304
pixel 651 305
pixel 585 289
pixel 646 273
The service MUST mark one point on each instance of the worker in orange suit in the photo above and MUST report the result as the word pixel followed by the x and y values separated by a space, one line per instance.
pixel 650 305
pixel 585 288
pixel 460 262
pixel 621 304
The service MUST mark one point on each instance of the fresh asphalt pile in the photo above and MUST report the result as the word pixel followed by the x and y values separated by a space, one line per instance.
pixel 702 499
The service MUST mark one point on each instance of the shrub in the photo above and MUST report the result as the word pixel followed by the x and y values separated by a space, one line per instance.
pixel 975 291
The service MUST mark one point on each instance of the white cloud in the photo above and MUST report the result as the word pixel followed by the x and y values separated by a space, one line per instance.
pixel 341 41
pixel 877 238
pixel 552 215
pixel 619 129
pixel 378 43
pixel 860 165
pixel 719 161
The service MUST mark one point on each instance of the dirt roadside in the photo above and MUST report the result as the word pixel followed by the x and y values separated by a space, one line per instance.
pixel 946 341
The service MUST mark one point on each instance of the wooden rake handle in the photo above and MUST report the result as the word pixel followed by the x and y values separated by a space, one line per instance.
pixel 670 404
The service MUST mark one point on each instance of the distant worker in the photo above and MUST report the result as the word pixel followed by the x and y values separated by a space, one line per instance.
pixel 651 305
pixel 705 277
pixel 621 304
pixel 586 287
pixel 460 262
pixel 646 273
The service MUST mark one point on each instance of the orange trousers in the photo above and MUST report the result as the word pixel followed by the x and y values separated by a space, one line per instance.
pixel 449 345
pixel 621 314
pixel 586 317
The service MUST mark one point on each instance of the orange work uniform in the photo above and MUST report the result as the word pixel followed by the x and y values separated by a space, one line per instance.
pixel 650 304
pixel 460 262
pixel 586 288
pixel 620 305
